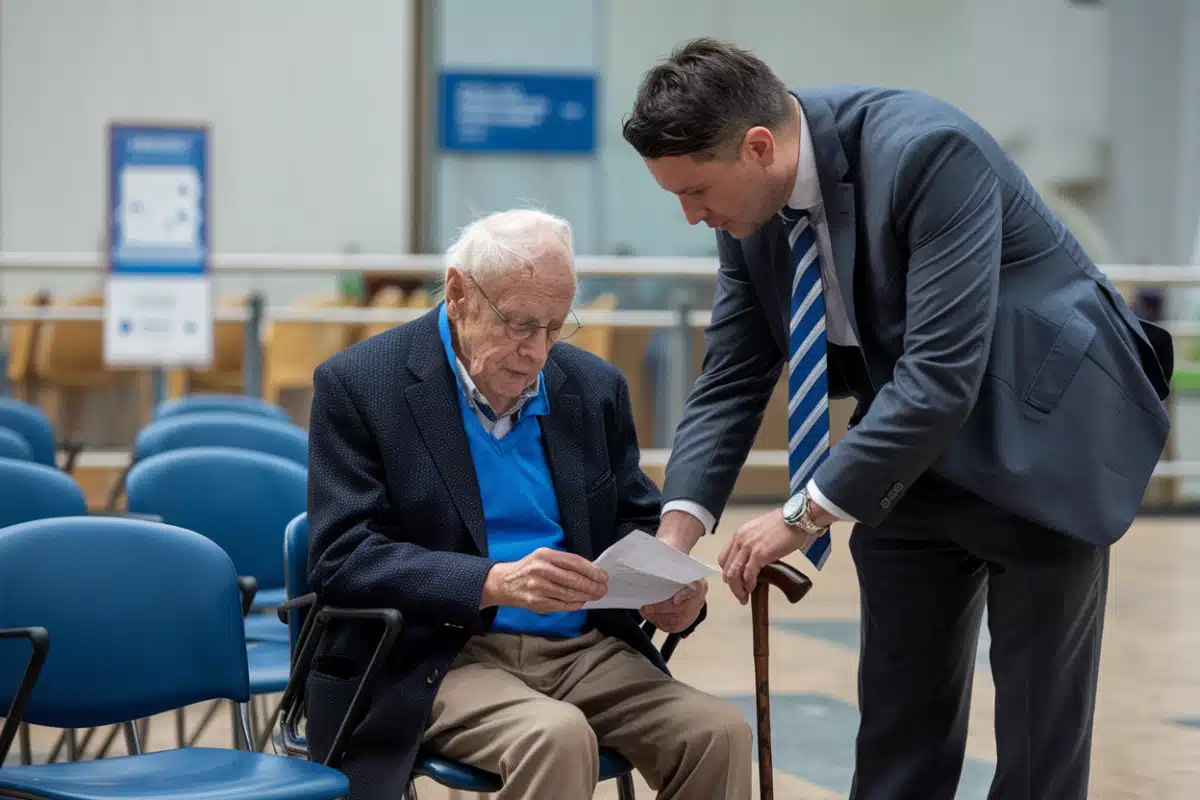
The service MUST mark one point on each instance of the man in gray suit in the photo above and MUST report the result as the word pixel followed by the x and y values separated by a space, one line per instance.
pixel 879 244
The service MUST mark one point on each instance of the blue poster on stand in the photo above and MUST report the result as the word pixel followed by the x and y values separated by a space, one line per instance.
pixel 527 113
pixel 158 299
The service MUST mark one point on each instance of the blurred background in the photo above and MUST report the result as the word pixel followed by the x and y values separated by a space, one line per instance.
pixel 346 140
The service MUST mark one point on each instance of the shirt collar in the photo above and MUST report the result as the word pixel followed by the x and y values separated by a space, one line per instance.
pixel 533 398
pixel 806 193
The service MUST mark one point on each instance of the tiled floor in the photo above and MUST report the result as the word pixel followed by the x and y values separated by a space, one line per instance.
pixel 1147 739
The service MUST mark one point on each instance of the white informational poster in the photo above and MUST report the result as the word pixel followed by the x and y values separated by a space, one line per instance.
pixel 158 320
pixel 158 309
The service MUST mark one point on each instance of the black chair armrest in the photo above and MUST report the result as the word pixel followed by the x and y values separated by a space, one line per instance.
pixel 248 586
pixel 672 641
pixel 291 704
pixel 303 601
pixel 39 639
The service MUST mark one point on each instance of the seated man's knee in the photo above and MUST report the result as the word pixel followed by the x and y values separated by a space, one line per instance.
pixel 720 728
pixel 559 731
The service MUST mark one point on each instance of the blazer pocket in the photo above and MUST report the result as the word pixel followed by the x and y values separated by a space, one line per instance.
pixel 1058 369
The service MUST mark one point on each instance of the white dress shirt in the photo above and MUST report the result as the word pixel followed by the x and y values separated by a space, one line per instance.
pixel 497 425
pixel 806 194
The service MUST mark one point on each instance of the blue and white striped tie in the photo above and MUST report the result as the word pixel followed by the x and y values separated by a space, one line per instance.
pixel 808 384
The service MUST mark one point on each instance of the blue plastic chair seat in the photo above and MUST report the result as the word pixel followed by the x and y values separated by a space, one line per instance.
pixel 464 778
pixel 265 628
pixel 270 664
pixel 188 774
pixel 268 598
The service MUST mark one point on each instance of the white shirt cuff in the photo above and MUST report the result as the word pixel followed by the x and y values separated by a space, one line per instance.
pixel 696 510
pixel 820 499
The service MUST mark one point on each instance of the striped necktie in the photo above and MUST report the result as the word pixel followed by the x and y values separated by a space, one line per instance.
pixel 808 385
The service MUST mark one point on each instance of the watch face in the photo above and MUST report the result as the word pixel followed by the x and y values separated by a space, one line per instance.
pixel 794 506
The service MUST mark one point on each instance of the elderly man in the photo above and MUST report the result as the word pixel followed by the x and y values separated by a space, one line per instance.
pixel 465 468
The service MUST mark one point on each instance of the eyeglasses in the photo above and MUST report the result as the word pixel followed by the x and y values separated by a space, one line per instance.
pixel 522 330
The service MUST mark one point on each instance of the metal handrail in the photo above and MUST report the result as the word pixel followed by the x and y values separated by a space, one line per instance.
pixel 355 316
pixel 432 265
pixel 369 316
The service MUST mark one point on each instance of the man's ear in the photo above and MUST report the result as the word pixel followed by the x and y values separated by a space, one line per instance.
pixel 455 292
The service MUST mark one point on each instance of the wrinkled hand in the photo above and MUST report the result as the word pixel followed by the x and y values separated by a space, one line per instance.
pixel 545 580
pixel 678 611
pixel 761 541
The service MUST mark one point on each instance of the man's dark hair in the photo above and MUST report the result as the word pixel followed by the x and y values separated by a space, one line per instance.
pixel 700 98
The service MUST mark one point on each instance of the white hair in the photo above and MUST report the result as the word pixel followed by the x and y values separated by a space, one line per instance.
pixel 501 243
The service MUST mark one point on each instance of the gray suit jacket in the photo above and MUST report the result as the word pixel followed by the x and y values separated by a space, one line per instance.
pixel 1000 357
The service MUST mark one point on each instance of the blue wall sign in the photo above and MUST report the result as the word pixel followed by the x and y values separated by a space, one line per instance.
pixel 517 113
pixel 158 200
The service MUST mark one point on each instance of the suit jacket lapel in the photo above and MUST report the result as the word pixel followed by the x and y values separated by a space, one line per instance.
pixel 433 401
pixel 562 439
pixel 838 196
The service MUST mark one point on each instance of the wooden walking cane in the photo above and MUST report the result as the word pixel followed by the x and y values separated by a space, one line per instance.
pixel 794 584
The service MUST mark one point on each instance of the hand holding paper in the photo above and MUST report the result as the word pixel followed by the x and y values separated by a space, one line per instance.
pixel 643 571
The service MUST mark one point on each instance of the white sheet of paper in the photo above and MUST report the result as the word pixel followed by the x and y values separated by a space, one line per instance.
pixel 643 570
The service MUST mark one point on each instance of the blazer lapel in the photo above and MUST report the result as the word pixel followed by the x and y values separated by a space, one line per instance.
pixel 838 196
pixel 562 432
pixel 434 404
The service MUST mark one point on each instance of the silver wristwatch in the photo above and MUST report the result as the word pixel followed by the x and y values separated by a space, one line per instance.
pixel 795 513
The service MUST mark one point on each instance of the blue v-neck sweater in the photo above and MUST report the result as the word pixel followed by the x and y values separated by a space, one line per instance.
pixel 520 508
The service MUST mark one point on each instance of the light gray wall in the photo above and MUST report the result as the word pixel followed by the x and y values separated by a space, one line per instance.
pixel 526 35
pixel 309 106
pixel 1155 128
pixel 1049 104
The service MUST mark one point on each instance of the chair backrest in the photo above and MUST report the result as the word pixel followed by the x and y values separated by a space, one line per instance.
pixel 223 429
pixel 295 566
pixel 204 402
pixel 240 499
pixel 29 491
pixel 143 618
pixel 14 445
pixel 33 424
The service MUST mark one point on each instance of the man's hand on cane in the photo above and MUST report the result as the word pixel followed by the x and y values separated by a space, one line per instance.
pixel 762 541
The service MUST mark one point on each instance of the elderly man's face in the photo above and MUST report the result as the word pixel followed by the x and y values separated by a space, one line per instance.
pixel 504 328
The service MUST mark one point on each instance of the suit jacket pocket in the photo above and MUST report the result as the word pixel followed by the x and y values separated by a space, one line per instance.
pixel 328 700
pixel 1058 369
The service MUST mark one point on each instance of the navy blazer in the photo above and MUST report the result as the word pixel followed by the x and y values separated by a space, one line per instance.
pixel 396 521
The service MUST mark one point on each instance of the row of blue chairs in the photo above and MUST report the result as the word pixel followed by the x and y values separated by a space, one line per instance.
pixel 109 620
pixel 181 490
pixel 234 473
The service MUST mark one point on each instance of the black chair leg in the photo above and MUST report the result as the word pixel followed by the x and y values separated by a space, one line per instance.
pixel 26 744
pixel 625 787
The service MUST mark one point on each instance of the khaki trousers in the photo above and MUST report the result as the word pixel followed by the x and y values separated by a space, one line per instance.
pixel 535 710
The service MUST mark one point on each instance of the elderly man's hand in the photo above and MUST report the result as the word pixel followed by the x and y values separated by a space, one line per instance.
pixel 545 580
pixel 680 610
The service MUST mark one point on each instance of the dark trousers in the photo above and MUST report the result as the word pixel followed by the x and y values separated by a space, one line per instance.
pixel 925 576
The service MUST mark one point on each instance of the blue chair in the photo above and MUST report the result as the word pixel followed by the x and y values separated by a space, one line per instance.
pixel 101 600
pixel 202 402
pixel 225 429
pixel 14 445
pixel 29 491
pixel 32 423
pixel 241 500
pixel 306 634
